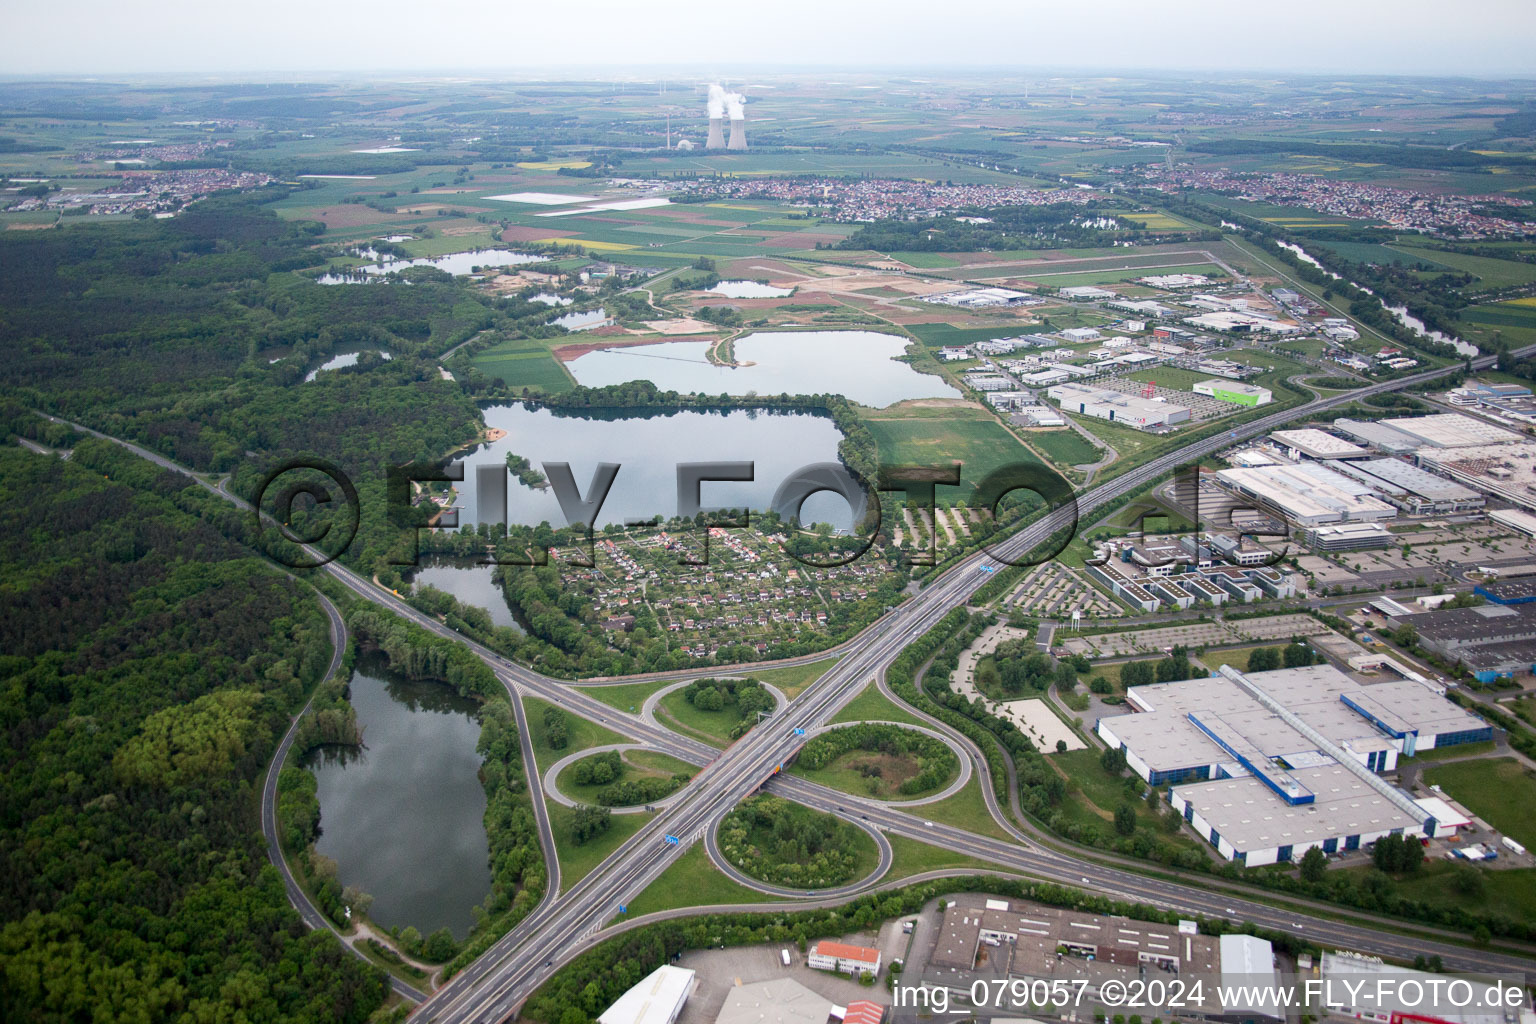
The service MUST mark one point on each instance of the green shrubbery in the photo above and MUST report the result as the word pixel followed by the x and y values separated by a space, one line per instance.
pixel 784 843
pixel 936 763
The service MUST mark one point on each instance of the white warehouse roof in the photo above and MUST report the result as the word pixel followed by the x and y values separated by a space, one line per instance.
pixel 1317 443
pixel 657 999
pixel 1451 430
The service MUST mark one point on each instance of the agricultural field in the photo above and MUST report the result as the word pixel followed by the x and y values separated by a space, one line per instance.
pixel 1514 321
pixel 523 364
pixel 1492 273
pixel 945 435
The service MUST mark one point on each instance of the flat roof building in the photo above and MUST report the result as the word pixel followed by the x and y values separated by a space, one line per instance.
pixel 1451 430
pixel 1515 519
pixel 1234 392
pixel 657 999
pixel 1367 988
pixel 1087 291
pixel 1267 764
pixel 1412 489
pixel 1505 470
pixel 1378 435
pixel 1117 407
pixel 1307 494
pixel 1349 537
pixel 1317 444
pixel 780 1001
pixel 1490 641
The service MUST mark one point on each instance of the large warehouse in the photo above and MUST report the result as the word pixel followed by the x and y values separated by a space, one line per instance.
pixel 1490 641
pixel 1451 430
pixel 1267 764
pixel 1132 410
pixel 1412 489
pixel 1505 470
pixel 1233 391
pixel 1316 444
pixel 1378 435
pixel 1307 494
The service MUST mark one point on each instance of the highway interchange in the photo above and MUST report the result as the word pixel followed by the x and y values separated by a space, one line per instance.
pixel 495 985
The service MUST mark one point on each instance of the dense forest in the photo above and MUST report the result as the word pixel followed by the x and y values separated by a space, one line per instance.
pixel 192 337
pixel 149 666
pixel 1002 227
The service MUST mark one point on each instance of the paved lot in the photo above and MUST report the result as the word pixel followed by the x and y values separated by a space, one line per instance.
pixel 1040 724
pixel 719 970
pixel 1056 590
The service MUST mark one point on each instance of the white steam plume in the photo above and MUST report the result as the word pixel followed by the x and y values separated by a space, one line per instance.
pixel 722 102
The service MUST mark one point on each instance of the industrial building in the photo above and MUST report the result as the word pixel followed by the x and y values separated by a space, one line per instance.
pixel 1174 280
pixel 1316 444
pixel 1029 941
pixel 1148 591
pixel 1307 494
pixel 657 999
pixel 1515 519
pixel 1368 988
pixel 1412 489
pixel 1132 410
pixel 1451 430
pixel 1378 435
pixel 1236 393
pixel 778 1001
pixel 1505 470
pixel 1267 764
pixel 1490 641
pixel 1349 537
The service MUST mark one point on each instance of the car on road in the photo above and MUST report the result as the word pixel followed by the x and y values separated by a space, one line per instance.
pixel 928 824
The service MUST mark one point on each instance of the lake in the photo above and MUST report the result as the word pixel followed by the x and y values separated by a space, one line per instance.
pixel 404 817
pixel 453 263
pixel 580 321
pixel 468 581
pixel 648 447
pixel 860 365
pixel 346 357
pixel 749 290
pixel 550 299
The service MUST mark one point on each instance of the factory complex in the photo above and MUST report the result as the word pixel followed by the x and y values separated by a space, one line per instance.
pixel 1118 407
pixel 1361 473
pixel 1265 765
pixel 1031 941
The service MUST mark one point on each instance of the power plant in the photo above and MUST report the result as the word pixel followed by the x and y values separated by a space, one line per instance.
pixel 724 104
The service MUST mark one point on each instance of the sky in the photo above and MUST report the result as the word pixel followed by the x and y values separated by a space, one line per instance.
pixel 1425 37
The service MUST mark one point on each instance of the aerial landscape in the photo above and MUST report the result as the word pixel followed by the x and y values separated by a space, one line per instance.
pixel 777 517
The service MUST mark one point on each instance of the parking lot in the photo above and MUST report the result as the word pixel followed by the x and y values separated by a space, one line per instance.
pixel 720 970
pixel 1054 590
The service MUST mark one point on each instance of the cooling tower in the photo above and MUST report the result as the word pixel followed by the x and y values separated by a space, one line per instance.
pixel 716 134
pixel 738 133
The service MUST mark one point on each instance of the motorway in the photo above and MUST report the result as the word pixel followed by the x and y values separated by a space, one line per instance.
pixel 495 985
